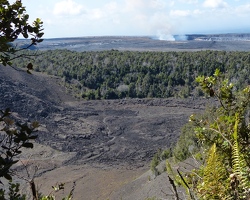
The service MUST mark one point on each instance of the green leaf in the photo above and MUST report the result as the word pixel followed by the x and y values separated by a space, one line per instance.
pixel 33 137
pixel 7 176
pixel 17 140
pixel 25 35
pixel 22 136
pixel 217 72
pixel 28 145
pixel 40 40
pixel 14 162
pixel 39 35
pixel 9 154
pixel 4 147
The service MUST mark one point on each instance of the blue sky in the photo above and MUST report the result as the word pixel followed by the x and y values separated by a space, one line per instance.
pixel 162 18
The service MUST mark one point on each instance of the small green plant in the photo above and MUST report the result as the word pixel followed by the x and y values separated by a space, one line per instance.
pixel 159 156
pixel 187 144
pixel 165 154
pixel 154 163
pixel 13 194
pixel 57 188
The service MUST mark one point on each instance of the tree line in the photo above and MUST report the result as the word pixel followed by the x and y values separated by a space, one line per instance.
pixel 117 74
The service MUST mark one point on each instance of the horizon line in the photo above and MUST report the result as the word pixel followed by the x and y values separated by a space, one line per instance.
pixel 151 36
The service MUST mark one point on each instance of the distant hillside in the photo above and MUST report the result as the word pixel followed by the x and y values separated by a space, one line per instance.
pixel 229 37
pixel 227 42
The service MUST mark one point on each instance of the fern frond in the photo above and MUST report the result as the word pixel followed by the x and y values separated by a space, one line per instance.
pixel 240 179
pixel 215 183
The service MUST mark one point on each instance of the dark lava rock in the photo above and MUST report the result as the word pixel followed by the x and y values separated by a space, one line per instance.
pixel 114 132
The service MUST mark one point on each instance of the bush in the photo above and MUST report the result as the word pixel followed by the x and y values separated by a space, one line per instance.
pixel 225 144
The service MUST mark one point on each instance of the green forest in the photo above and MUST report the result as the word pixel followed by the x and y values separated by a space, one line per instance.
pixel 129 74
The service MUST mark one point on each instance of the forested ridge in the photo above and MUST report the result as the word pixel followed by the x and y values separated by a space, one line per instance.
pixel 119 74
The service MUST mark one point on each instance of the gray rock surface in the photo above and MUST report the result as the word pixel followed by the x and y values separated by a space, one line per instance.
pixel 104 138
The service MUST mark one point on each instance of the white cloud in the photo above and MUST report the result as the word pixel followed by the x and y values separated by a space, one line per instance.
pixel 197 12
pixel 132 5
pixel 67 7
pixel 189 1
pixel 96 14
pixel 111 7
pixel 157 4
pixel 139 5
pixel 215 4
pixel 108 13
pixel 138 17
pixel 179 13
pixel 243 9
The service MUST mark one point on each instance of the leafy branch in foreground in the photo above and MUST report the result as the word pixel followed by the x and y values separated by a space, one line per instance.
pixel 225 146
pixel 14 23
pixel 13 137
